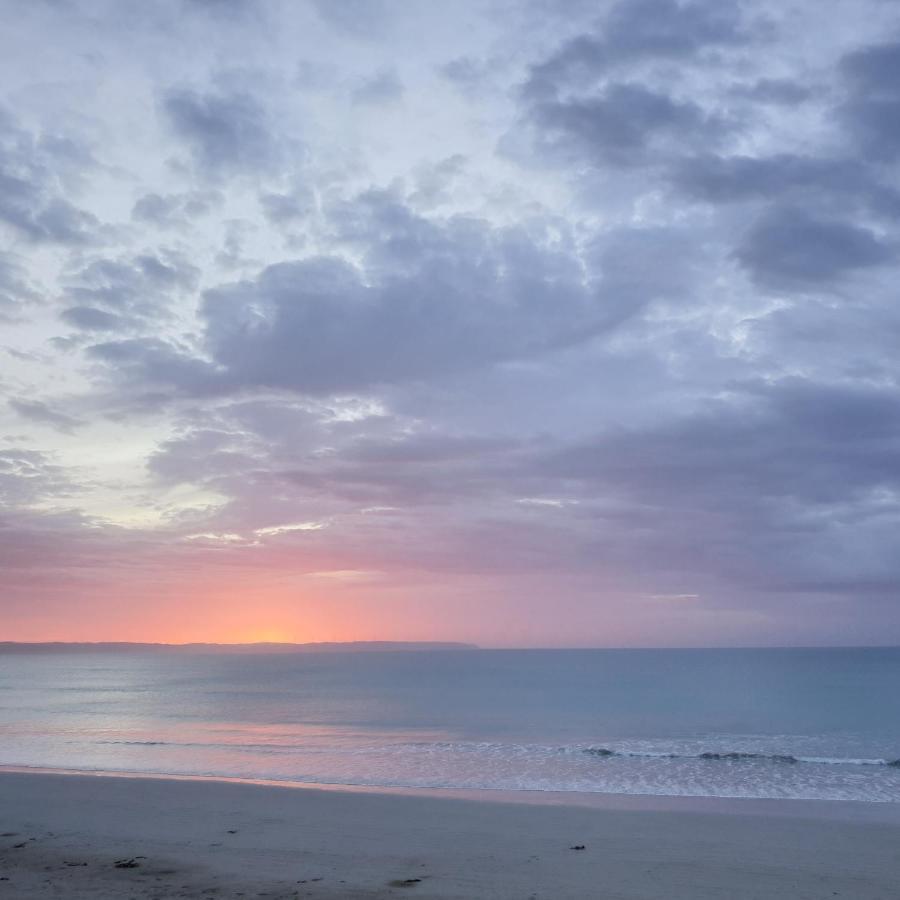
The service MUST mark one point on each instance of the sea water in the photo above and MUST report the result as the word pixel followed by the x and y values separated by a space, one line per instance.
pixel 786 723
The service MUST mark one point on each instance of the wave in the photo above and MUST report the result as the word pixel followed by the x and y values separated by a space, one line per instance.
pixel 479 747
pixel 740 755
pixel 136 743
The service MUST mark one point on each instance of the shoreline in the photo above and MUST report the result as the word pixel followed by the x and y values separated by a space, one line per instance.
pixel 841 810
pixel 108 836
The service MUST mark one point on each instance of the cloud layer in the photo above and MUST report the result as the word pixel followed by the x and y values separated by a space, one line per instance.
pixel 563 307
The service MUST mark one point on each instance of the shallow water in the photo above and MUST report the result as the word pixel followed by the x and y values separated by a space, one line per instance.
pixel 821 724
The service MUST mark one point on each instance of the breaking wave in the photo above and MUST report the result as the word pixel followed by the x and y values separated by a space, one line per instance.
pixel 740 755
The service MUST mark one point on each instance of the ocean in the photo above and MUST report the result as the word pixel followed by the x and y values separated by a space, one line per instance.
pixel 780 723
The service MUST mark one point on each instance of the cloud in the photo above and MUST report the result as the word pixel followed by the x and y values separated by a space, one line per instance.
pixel 636 30
pixel 383 87
pixel 174 210
pixel 772 487
pixel 275 530
pixel 468 73
pixel 38 411
pixel 871 111
pixel 426 448
pixel 15 290
pixel 586 102
pixel 777 91
pixel 89 318
pixel 116 294
pixel 32 203
pixel 236 8
pixel 265 455
pixel 357 18
pixel 226 130
pixel 154 362
pixel 789 247
pixel 551 502
pixel 202 453
pixel 622 125
pixel 811 180
pixel 289 208
pixel 27 476
pixel 433 297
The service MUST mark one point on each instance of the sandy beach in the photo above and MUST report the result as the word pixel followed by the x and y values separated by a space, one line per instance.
pixel 85 836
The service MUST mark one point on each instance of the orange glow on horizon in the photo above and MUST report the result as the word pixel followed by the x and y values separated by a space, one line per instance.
pixel 205 608
pixel 270 605
pixel 266 635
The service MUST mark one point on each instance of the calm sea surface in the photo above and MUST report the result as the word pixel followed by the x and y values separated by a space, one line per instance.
pixel 734 723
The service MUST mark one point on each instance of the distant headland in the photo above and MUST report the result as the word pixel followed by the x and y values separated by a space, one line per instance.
pixel 261 647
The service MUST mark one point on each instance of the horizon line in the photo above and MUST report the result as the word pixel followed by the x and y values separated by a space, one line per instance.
pixel 455 644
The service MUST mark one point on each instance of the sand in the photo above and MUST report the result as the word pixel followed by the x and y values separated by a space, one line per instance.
pixel 76 836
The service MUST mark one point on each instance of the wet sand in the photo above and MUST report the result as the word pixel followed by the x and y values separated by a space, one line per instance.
pixel 109 838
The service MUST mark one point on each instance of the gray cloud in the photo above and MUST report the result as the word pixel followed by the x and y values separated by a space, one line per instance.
pixel 203 455
pixel 227 7
pixel 285 209
pixel 153 362
pixel 32 203
pixel 114 294
pixel 38 411
pixel 636 30
pixel 622 125
pixel 822 182
pixel 872 110
pixel 27 476
pixel 225 130
pixel 587 102
pixel 90 318
pixel 271 457
pixel 174 210
pixel 358 18
pixel 788 247
pixel 435 297
pixel 763 488
pixel 467 73
pixel 15 291
pixel 779 91
pixel 383 87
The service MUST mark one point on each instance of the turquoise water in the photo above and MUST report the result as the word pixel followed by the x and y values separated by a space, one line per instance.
pixel 811 723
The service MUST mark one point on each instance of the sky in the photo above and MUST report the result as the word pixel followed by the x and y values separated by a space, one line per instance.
pixel 519 322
